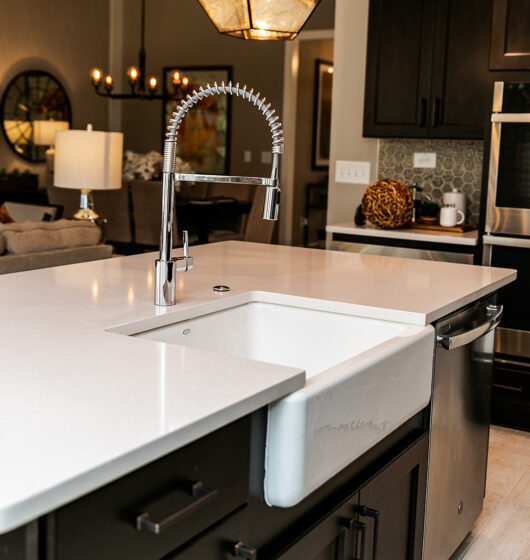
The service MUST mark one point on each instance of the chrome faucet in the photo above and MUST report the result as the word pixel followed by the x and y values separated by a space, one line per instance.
pixel 167 266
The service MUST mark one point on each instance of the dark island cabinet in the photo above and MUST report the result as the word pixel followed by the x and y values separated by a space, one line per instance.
pixel 510 36
pixel 427 73
pixel 200 503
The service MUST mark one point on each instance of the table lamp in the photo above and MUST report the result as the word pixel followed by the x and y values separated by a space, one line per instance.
pixel 88 160
pixel 44 135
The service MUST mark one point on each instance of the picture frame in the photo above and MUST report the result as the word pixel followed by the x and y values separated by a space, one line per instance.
pixel 204 135
pixel 322 114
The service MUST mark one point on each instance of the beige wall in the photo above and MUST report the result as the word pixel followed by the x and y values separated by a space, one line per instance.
pixel 65 38
pixel 347 143
pixel 180 33
pixel 310 51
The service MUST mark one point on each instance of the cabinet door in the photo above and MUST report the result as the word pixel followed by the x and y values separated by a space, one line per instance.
pixel 393 504
pixel 510 39
pixel 218 543
pixel 330 539
pixel 461 89
pixel 398 70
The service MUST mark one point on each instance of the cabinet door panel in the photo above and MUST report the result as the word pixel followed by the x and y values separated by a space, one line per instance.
pixel 216 543
pixel 398 68
pixel 510 39
pixel 460 80
pixel 330 539
pixel 396 502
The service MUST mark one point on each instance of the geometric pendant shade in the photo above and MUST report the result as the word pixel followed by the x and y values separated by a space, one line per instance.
pixel 259 19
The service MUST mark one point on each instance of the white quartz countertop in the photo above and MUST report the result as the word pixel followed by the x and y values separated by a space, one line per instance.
pixel 81 406
pixel 413 234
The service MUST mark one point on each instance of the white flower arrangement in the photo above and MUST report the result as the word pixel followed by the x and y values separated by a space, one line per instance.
pixel 148 167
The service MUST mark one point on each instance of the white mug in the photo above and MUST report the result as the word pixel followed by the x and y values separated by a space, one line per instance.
pixel 450 216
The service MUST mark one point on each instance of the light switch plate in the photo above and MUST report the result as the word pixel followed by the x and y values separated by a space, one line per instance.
pixel 247 156
pixel 425 159
pixel 357 172
pixel 266 157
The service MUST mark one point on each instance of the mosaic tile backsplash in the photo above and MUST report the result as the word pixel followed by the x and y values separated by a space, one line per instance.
pixel 458 164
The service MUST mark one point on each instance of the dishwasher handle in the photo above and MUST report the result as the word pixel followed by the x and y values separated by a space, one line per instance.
pixel 458 340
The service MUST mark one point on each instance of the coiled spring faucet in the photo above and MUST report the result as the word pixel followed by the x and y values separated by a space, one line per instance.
pixel 167 266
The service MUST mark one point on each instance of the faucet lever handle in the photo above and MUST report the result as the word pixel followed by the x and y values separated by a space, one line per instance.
pixel 185 245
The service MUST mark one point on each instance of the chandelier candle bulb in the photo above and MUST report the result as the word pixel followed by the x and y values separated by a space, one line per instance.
pixel 96 75
pixel 133 74
pixel 108 82
pixel 153 82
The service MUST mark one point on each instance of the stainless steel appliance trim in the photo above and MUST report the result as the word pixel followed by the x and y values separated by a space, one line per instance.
pixel 493 172
pixel 501 219
pixel 498 92
pixel 510 118
pixel 513 342
pixel 458 340
pixel 506 241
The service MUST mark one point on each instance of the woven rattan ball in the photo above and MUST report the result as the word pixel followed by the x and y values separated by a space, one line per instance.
pixel 387 204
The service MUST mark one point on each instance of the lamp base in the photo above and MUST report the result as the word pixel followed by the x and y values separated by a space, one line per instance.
pixel 86 210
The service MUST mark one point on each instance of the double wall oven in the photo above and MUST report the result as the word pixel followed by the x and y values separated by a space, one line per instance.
pixel 507 244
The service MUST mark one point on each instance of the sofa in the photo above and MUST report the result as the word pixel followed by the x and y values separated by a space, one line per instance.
pixel 32 245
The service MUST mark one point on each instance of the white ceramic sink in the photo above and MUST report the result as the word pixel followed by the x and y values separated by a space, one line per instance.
pixel 364 377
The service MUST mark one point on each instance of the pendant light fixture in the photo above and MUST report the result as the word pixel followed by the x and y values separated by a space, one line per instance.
pixel 263 20
pixel 141 87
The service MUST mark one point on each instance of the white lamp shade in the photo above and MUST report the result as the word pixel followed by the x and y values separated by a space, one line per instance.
pixel 88 159
pixel 44 131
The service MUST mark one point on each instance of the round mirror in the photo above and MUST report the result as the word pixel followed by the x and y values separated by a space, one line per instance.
pixel 33 97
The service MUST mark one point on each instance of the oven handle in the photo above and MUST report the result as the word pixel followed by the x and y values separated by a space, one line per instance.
pixel 523 243
pixel 510 117
pixel 458 340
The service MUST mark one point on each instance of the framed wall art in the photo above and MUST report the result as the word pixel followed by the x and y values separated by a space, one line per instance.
pixel 204 134
pixel 322 114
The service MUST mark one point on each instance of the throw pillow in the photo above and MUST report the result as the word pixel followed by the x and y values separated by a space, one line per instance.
pixel 5 218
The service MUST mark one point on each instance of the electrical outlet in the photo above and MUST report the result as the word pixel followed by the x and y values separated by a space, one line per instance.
pixel 425 159
pixel 247 156
pixel 357 172
pixel 266 157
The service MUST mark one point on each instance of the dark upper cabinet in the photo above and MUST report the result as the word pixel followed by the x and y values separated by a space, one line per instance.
pixel 510 37
pixel 398 68
pixel 427 69
pixel 460 85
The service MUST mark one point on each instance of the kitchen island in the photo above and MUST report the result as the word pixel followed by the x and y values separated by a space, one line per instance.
pixel 82 405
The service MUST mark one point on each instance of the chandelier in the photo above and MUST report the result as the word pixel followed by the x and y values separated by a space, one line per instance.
pixel 259 19
pixel 141 87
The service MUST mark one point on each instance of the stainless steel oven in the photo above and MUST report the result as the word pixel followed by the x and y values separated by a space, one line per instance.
pixel 508 204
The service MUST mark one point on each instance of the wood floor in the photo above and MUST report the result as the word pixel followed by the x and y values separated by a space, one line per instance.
pixel 502 532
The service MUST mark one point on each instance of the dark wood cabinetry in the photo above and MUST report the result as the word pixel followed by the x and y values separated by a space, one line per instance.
pixel 392 506
pixel 510 36
pixel 427 69
pixel 375 503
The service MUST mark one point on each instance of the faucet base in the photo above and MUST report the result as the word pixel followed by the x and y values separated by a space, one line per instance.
pixel 165 281
pixel 165 285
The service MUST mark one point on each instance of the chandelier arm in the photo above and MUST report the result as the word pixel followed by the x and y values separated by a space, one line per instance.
pixel 227 89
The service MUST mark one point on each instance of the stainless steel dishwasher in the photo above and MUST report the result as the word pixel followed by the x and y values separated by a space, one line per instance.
pixel 460 421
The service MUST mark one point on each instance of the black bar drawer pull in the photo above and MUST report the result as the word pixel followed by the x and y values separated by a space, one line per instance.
pixel 201 495
pixel 435 112
pixel 508 388
pixel 360 527
pixel 243 551
pixel 374 514
pixel 423 112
